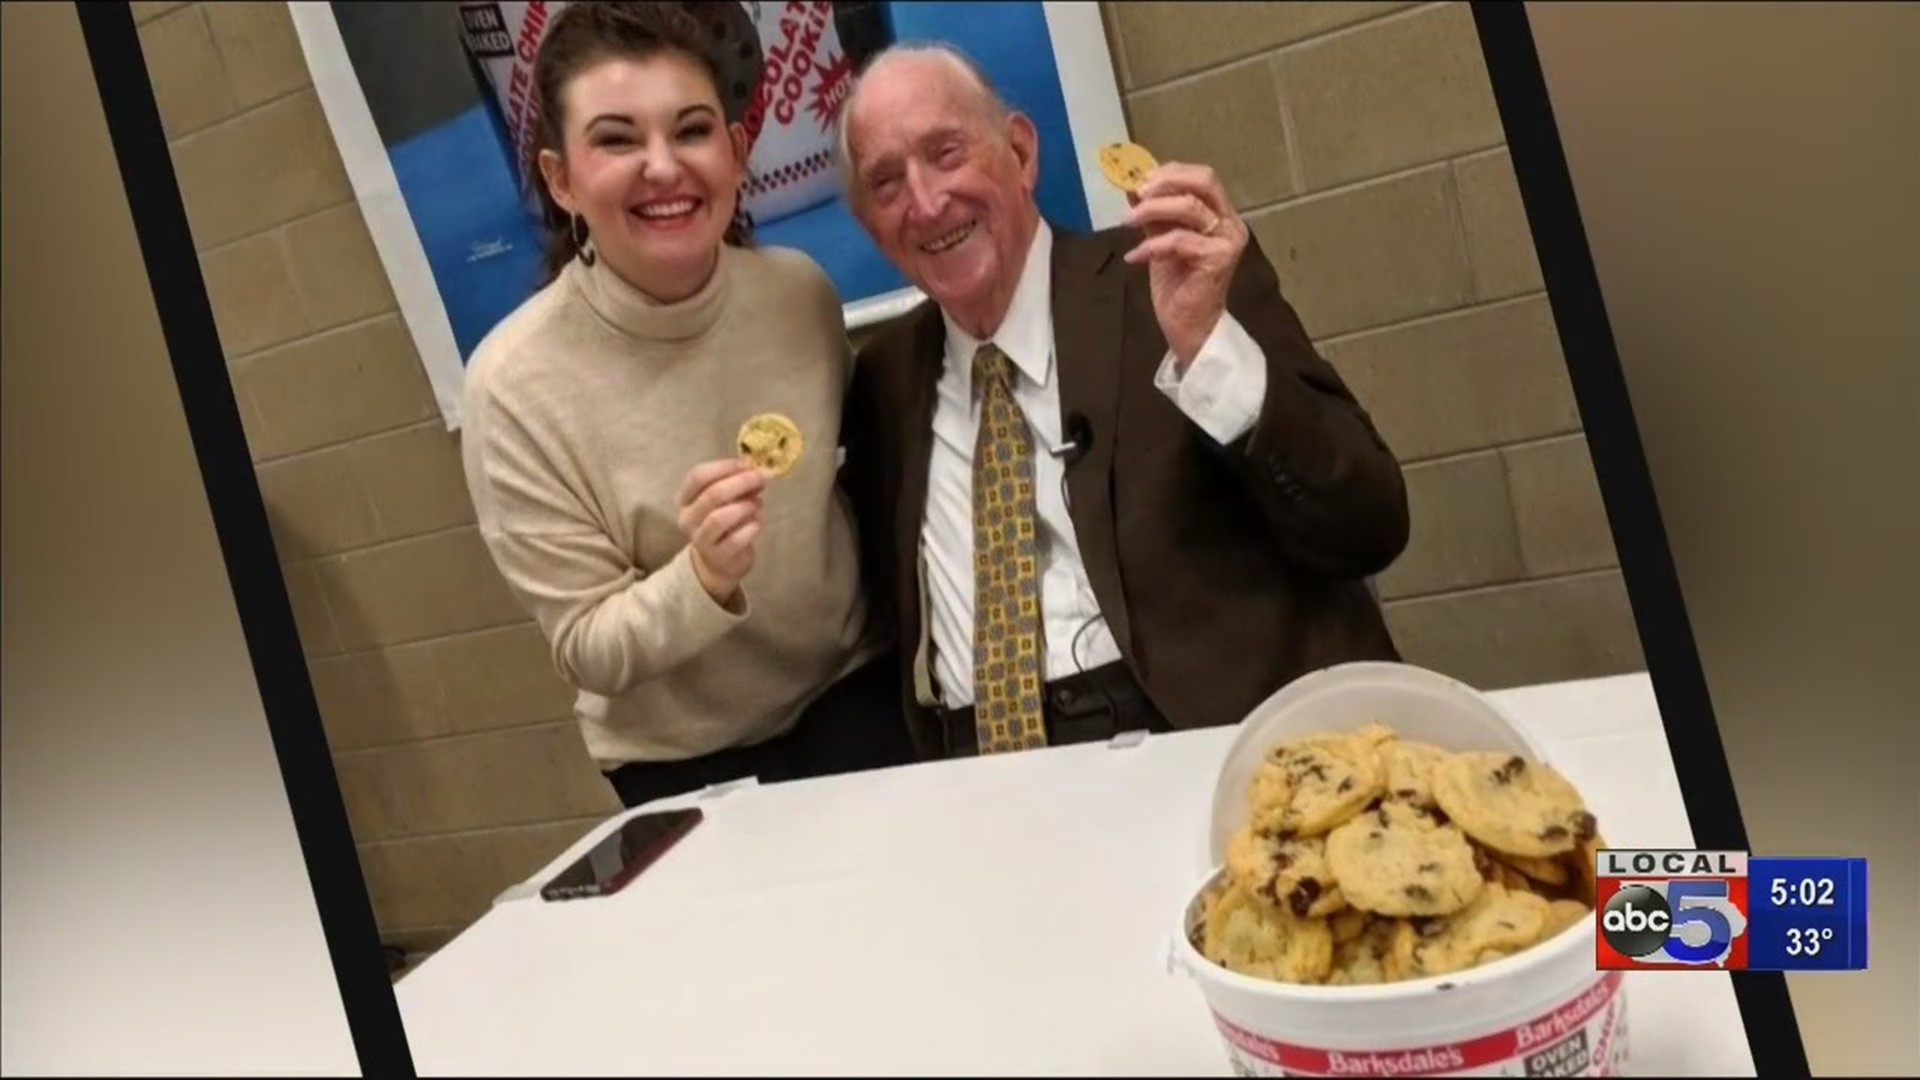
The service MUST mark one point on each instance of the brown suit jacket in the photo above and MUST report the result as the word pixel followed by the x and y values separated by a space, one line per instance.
pixel 1223 572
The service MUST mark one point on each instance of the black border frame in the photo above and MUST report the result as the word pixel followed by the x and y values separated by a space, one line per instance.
pixel 1626 487
pixel 246 540
pixel 279 663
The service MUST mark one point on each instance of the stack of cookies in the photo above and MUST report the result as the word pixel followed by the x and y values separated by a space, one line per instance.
pixel 1367 858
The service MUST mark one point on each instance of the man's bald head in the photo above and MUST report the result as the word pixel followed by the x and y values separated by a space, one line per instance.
pixel 917 63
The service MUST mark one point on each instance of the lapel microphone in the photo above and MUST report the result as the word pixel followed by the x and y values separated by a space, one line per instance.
pixel 1079 435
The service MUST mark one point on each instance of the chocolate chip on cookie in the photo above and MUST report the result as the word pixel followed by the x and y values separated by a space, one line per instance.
pixel 1483 862
pixel 1301 897
pixel 1584 825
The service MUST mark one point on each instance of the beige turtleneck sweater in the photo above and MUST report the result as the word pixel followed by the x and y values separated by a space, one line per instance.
pixel 584 410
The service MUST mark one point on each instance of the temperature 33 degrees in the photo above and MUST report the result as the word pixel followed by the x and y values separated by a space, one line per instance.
pixel 1807 941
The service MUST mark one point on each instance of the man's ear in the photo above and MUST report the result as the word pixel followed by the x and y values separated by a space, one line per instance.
pixel 1025 140
pixel 554 171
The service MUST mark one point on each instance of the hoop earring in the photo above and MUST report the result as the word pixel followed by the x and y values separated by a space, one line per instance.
pixel 577 232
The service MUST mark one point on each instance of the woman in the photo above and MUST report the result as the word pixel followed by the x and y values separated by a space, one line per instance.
pixel 709 615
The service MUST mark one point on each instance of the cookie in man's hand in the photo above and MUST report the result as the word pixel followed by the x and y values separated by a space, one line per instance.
pixel 1126 165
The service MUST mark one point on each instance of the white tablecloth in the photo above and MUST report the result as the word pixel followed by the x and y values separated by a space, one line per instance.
pixel 985 916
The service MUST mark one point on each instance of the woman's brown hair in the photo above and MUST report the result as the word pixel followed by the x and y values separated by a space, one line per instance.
pixel 582 35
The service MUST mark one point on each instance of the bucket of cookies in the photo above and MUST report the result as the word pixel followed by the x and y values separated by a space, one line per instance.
pixel 1400 885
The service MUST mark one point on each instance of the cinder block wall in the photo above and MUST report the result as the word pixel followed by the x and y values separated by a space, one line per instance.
pixel 1361 141
pixel 457 755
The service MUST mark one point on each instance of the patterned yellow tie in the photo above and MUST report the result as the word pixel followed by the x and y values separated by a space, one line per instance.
pixel 1006 576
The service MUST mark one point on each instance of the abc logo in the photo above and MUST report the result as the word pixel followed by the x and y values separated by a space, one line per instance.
pixel 1636 921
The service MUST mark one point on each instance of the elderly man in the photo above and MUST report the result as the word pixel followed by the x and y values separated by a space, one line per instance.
pixel 1105 482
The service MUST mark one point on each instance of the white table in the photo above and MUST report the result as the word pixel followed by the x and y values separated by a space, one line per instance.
pixel 987 916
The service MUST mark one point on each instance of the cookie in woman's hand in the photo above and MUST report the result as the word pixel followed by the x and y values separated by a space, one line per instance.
pixel 771 442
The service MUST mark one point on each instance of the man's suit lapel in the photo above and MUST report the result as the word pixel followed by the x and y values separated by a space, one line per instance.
pixel 922 378
pixel 922 381
pixel 1088 294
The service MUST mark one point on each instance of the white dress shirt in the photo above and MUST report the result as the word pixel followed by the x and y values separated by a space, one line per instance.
pixel 1221 391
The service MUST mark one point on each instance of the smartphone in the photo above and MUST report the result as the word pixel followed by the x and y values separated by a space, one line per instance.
pixel 618 858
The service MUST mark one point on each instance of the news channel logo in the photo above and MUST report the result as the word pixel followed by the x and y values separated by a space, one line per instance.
pixel 1672 909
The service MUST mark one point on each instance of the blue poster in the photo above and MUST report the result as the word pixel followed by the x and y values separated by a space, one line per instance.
pixel 447 88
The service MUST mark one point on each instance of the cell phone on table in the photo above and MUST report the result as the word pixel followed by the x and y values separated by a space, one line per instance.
pixel 621 855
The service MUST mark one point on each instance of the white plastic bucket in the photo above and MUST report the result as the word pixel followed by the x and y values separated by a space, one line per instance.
pixel 1546 1011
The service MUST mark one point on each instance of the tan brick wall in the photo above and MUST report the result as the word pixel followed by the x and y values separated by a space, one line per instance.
pixel 1362 144
pixel 461 768
pixel 1360 140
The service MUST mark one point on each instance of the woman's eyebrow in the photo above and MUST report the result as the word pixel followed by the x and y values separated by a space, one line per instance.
pixel 697 108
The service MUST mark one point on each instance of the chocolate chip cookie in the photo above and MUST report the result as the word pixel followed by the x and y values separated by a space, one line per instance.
pixel 1409 767
pixel 1562 914
pixel 1512 805
pixel 1361 960
pixel 1307 787
pixel 1289 871
pixel 1553 872
pixel 1498 923
pixel 1349 923
pixel 771 442
pixel 1247 935
pixel 1398 860
pixel 1126 165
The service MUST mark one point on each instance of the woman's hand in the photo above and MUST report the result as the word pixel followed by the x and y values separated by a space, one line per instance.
pixel 720 503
